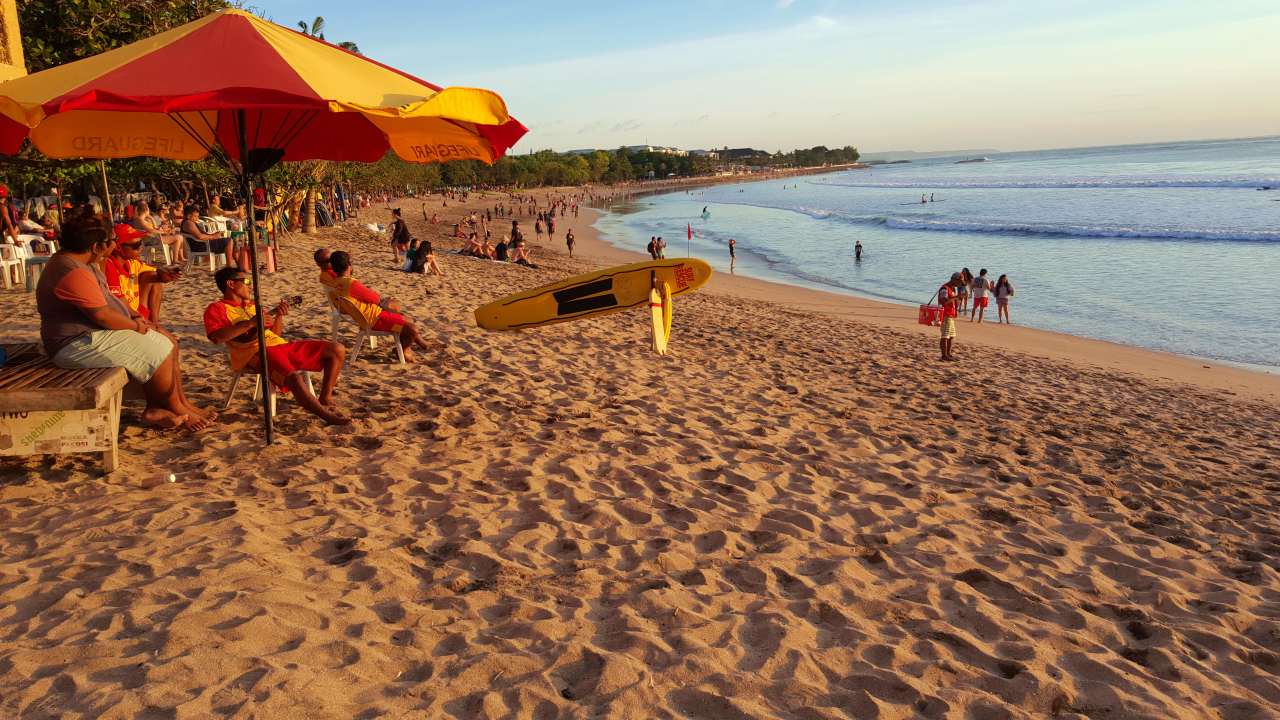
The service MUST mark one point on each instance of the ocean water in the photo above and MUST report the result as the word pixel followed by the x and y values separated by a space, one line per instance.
pixel 1173 247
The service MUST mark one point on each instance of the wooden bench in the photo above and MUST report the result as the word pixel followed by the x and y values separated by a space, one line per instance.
pixel 46 410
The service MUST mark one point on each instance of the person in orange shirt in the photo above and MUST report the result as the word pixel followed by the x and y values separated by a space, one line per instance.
pixel 231 321
pixel 139 285
pixel 367 307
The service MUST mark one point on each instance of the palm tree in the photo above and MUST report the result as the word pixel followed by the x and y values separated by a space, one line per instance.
pixel 316 30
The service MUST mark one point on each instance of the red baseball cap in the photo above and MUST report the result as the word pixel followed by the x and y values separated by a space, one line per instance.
pixel 125 233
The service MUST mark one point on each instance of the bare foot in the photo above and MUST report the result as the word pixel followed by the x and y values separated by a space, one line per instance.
pixel 408 356
pixel 161 418
pixel 332 416
pixel 192 424
pixel 207 416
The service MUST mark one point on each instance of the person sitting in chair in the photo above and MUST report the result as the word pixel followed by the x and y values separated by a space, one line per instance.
pixel 139 285
pixel 202 241
pixel 370 309
pixel 231 321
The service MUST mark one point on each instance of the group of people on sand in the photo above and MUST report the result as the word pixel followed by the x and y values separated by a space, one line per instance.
pixel 87 323
pixel 511 248
pixel 954 299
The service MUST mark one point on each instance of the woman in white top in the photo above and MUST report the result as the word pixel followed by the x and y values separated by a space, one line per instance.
pixel 1004 291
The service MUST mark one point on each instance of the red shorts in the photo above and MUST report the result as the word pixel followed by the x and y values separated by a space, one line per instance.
pixel 981 302
pixel 390 322
pixel 287 359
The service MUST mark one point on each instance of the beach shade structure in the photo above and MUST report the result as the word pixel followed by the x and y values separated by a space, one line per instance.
pixel 251 94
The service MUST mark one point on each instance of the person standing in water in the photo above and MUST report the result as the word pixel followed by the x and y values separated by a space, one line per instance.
pixel 857 251
pixel 733 259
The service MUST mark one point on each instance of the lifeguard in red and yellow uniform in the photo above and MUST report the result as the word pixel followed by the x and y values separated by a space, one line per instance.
pixel 367 307
pixel 231 321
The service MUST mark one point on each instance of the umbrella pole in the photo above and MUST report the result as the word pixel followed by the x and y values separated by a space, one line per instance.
pixel 106 192
pixel 246 188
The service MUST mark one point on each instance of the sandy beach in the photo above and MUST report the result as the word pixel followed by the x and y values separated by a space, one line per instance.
pixel 795 514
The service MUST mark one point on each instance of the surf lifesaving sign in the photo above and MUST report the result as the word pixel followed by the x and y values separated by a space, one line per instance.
pixel 595 293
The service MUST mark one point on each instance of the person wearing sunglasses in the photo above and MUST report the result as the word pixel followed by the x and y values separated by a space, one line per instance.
pixel 231 321
pixel 139 285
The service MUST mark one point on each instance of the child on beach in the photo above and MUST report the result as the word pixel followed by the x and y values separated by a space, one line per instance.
pixel 1004 291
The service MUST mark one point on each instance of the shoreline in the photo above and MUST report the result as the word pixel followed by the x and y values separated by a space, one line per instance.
pixel 1205 373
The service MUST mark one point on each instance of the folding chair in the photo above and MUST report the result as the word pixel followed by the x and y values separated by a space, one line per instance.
pixel 257 386
pixel 365 333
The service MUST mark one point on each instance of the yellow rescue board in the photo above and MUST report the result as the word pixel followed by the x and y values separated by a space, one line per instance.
pixel 594 293
pixel 660 310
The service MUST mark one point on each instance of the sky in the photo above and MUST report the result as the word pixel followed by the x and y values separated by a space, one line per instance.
pixel 876 74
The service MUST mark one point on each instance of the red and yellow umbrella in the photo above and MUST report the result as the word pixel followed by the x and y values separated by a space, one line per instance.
pixel 176 95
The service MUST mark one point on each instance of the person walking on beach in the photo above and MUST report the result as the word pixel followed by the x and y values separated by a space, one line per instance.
pixel 537 228
pixel 857 251
pixel 966 279
pixel 1003 291
pixel 569 240
pixel 661 248
pixel 980 286
pixel 733 259
pixel 947 298
pixel 652 247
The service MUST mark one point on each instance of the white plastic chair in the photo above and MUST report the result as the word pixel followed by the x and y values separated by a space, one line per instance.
pixel 11 258
pixel 365 333
pixel 153 243
pixel 257 387
pixel 215 259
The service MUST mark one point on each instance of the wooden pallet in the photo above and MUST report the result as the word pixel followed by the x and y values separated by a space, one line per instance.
pixel 45 409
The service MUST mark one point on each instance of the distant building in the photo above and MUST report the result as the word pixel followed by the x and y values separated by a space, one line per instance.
pixel 658 149
pixel 713 154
